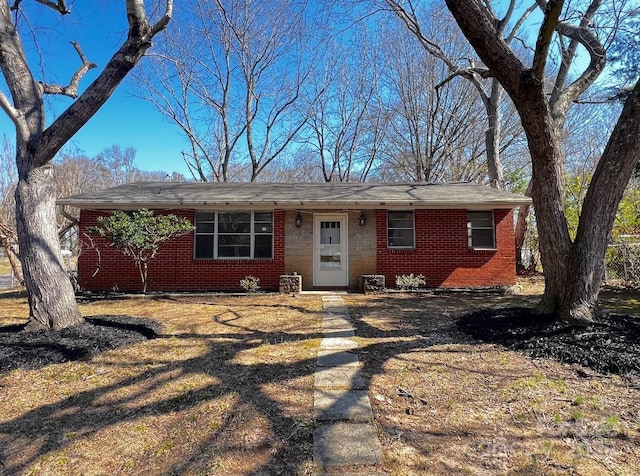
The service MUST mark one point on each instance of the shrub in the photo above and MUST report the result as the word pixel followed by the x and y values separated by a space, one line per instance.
pixel 250 284
pixel 409 281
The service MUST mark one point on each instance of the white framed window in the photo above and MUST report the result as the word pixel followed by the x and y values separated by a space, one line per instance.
pixel 400 229
pixel 234 235
pixel 481 230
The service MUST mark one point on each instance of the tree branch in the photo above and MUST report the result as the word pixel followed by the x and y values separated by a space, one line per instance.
pixel 138 41
pixel 72 89
pixel 551 10
pixel 562 98
pixel 60 5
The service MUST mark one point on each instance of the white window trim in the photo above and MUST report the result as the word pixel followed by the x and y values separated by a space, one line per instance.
pixel 470 229
pixel 413 225
pixel 216 234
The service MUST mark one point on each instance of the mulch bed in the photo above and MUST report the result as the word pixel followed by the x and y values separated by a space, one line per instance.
pixel 20 349
pixel 611 345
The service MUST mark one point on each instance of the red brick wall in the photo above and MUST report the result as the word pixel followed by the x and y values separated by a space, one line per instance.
pixel 442 254
pixel 175 268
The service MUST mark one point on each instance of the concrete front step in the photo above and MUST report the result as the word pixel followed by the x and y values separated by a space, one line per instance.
pixel 346 444
pixel 348 377
pixel 342 405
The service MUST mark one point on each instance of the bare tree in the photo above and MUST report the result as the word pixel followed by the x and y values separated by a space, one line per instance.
pixel 465 66
pixel 344 123
pixel 230 77
pixel 573 268
pixel 432 132
pixel 51 297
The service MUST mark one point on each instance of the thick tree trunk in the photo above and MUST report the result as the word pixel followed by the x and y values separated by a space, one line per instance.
pixel 615 168
pixel 572 270
pixel 52 302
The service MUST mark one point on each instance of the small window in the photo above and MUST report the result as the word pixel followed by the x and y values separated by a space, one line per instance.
pixel 234 235
pixel 480 230
pixel 400 229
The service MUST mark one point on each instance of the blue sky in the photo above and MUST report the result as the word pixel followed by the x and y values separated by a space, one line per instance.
pixel 124 120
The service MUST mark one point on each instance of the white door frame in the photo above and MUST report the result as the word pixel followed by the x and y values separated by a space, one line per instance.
pixel 339 275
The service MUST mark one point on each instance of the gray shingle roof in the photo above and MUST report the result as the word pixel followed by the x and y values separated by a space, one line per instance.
pixel 334 195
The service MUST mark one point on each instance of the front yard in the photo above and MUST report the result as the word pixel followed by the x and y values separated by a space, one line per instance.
pixel 227 388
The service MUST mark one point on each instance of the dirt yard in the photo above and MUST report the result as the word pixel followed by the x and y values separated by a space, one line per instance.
pixel 224 385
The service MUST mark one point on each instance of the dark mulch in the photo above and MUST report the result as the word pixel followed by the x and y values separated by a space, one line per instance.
pixel 34 350
pixel 611 345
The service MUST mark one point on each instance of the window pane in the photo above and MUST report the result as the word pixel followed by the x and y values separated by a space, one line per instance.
pixel 480 219
pixel 204 246
pixel 263 227
pixel 205 216
pixel 401 238
pixel 204 227
pixel 234 251
pixel 234 222
pixel 482 238
pixel 232 240
pixel 263 246
pixel 400 229
pixel 263 217
pixel 398 223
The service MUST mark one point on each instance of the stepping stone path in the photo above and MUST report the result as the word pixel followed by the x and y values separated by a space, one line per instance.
pixel 345 435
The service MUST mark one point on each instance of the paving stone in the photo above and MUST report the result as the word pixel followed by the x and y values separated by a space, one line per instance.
pixel 342 444
pixel 332 358
pixel 338 343
pixel 343 324
pixel 329 333
pixel 337 405
pixel 340 377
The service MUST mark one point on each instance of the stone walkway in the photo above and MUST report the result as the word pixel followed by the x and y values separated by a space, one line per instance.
pixel 346 435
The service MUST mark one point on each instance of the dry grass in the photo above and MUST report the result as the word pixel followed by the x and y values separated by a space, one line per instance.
pixel 228 389
pixel 444 405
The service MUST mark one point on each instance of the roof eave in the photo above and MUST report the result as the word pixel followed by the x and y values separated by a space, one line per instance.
pixel 295 205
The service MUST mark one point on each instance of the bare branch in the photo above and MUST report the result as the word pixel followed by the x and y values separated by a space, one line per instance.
pixel 562 97
pixel 164 21
pixel 72 89
pixel 467 73
pixel 60 5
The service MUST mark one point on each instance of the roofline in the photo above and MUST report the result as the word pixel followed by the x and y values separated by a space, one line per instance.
pixel 301 205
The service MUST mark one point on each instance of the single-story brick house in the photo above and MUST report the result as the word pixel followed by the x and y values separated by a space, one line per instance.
pixel 331 234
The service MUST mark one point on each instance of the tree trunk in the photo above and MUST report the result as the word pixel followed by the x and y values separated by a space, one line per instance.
pixel 578 303
pixel 52 302
pixel 493 136
pixel 522 225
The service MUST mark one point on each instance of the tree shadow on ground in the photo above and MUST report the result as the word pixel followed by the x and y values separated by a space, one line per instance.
pixel 45 429
pixel 610 345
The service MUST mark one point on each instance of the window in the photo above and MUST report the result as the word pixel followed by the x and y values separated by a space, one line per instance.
pixel 234 235
pixel 480 230
pixel 400 229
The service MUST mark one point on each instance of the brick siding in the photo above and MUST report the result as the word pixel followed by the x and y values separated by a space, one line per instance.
pixel 175 268
pixel 442 254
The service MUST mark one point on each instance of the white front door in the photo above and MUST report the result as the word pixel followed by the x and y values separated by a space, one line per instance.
pixel 330 260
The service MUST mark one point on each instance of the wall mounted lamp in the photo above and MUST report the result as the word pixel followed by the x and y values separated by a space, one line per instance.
pixel 298 220
pixel 362 221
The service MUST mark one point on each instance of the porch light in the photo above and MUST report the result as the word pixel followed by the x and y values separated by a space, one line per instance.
pixel 298 220
pixel 362 220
